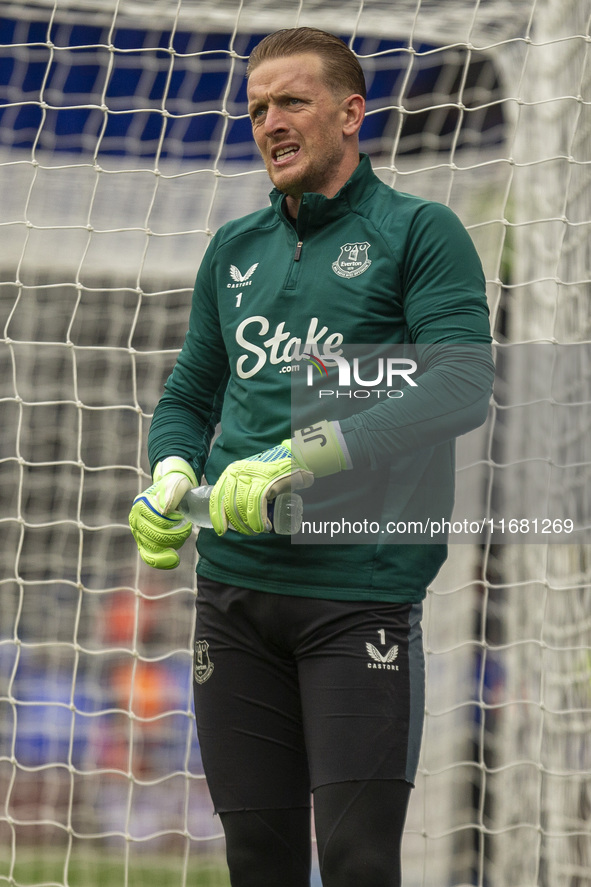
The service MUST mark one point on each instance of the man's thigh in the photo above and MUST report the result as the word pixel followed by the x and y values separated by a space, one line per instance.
pixel 247 705
pixel 288 686
pixel 362 689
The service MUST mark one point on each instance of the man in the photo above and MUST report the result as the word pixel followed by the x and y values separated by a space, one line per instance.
pixel 309 665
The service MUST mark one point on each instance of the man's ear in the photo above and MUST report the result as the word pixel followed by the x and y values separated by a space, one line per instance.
pixel 354 106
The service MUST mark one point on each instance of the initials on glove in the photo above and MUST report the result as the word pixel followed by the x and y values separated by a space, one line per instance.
pixel 157 528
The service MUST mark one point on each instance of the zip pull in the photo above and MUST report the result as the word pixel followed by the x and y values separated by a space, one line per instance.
pixel 298 251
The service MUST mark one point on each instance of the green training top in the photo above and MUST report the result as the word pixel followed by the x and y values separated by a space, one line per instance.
pixel 371 265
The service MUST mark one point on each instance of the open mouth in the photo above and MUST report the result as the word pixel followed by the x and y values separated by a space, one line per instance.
pixel 281 155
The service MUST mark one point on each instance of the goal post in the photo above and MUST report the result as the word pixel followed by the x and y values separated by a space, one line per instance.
pixel 541 755
pixel 124 145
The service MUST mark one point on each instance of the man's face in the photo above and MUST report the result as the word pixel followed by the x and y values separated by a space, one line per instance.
pixel 299 126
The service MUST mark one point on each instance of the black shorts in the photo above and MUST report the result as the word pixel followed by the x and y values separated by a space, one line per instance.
pixel 292 693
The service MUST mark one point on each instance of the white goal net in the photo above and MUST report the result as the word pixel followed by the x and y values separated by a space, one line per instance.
pixel 124 144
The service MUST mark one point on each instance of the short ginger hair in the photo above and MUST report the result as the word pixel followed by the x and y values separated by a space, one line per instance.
pixel 342 72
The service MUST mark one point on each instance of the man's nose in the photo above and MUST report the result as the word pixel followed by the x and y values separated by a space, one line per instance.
pixel 275 120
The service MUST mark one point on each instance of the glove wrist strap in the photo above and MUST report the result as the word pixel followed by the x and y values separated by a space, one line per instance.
pixel 177 465
pixel 321 448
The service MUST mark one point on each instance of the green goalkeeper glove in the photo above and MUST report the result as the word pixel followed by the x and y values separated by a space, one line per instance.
pixel 242 494
pixel 157 528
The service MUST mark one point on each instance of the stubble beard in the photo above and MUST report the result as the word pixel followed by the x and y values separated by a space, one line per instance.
pixel 315 178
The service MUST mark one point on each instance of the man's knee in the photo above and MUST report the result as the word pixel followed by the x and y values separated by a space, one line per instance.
pixel 359 827
pixel 267 848
pixel 351 864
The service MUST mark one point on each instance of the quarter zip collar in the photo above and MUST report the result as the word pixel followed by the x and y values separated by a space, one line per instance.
pixel 316 209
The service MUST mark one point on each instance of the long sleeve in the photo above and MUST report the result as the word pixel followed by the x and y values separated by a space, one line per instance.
pixel 445 307
pixel 186 416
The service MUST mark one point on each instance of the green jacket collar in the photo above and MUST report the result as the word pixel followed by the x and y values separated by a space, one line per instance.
pixel 316 209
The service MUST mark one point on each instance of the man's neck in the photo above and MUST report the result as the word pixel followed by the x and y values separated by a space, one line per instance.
pixel 292 204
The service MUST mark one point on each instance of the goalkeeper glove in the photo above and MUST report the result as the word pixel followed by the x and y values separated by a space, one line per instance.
pixel 157 528
pixel 242 494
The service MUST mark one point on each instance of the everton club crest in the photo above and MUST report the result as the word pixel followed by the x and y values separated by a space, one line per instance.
pixel 353 260
pixel 203 667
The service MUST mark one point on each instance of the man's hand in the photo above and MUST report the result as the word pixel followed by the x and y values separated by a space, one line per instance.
pixel 242 494
pixel 157 528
